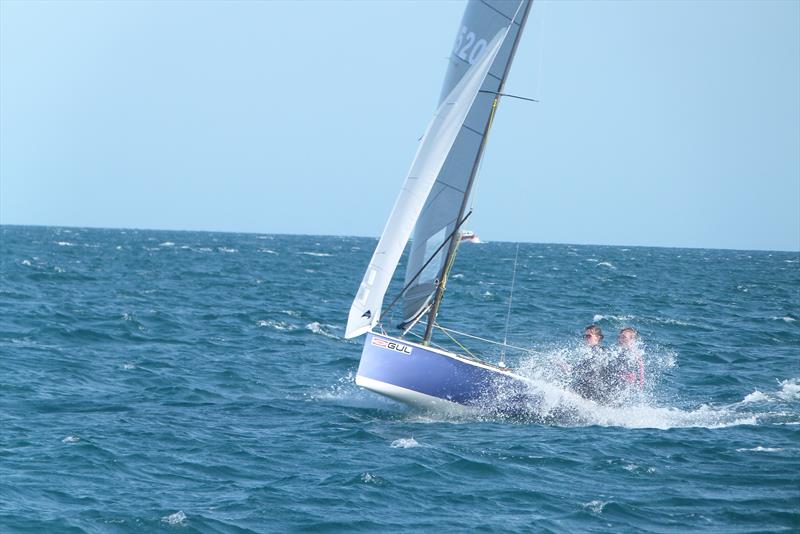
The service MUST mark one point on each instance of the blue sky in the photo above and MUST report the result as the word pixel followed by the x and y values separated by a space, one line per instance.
pixel 660 123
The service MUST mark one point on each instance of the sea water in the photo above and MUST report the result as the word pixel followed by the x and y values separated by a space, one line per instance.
pixel 190 381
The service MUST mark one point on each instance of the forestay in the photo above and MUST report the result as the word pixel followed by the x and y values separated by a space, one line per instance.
pixel 433 150
pixel 448 196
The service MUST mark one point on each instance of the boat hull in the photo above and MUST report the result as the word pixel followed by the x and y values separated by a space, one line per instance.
pixel 429 378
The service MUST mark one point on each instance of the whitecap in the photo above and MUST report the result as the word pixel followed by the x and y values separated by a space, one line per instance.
pixel 71 439
pixel 65 244
pixel 760 449
pixel 316 254
pixel 178 518
pixel 404 443
pixel 267 251
pixel 459 275
pixel 369 478
pixel 606 264
pixel 167 244
pixel 204 249
pixel 26 262
pixel 128 366
pixel 598 317
pixel 596 506
pixel 317 328
pixel 277 325
pixel 227 250
pixel 59 269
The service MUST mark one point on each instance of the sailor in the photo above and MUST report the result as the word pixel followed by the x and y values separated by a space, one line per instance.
pixel 631 352
pixel 604 375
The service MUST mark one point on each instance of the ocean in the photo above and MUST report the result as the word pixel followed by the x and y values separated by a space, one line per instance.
pixel 165 381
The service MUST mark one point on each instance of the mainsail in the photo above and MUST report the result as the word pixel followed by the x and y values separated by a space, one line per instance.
pixel 446 202
pixel 436 144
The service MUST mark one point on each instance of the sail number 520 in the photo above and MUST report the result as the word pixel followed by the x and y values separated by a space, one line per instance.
pixel 468 47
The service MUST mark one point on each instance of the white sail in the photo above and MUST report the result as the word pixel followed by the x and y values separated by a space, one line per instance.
pixel 440 214
pixel 431 155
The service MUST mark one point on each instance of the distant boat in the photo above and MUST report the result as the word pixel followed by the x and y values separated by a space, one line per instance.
pixel 468 236
pixel 433 204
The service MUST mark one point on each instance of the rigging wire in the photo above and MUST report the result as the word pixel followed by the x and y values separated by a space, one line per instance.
pixel 472 336
pixel 508 313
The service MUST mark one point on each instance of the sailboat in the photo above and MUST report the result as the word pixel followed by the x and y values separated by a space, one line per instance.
pixel 433 206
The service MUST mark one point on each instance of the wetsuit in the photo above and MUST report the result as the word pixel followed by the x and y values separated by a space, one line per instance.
pixel 604 375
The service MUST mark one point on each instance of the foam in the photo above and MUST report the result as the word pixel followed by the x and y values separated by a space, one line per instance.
pixel 756 396
pixel 178 518
pixel 760 449
pixel 790 389
pixel 595 506
pixel 318 328
pixel 405 443
pixel 277 325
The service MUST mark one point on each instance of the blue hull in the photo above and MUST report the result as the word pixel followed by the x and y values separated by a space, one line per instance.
pixel 429 378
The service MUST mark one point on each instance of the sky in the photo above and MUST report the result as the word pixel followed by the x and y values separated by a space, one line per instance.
pixel 658 123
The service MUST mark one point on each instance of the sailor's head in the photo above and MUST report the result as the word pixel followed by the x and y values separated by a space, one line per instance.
pixel 628 336
pixel 593 335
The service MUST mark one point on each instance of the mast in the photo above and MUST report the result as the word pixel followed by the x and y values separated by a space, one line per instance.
pixel 454 240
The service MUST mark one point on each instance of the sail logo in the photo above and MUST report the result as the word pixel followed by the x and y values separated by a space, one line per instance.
pixel 391 345
pixel 468 47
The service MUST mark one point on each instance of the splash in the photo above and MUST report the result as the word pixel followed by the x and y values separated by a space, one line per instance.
pixel 790 389
pixel 345 392
pixel 548 399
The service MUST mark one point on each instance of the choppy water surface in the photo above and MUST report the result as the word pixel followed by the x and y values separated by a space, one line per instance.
pixel 197 381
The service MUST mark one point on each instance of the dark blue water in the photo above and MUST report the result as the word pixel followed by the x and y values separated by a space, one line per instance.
pixel 154 381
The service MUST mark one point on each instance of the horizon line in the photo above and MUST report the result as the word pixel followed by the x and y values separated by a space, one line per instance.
pixel 377 237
